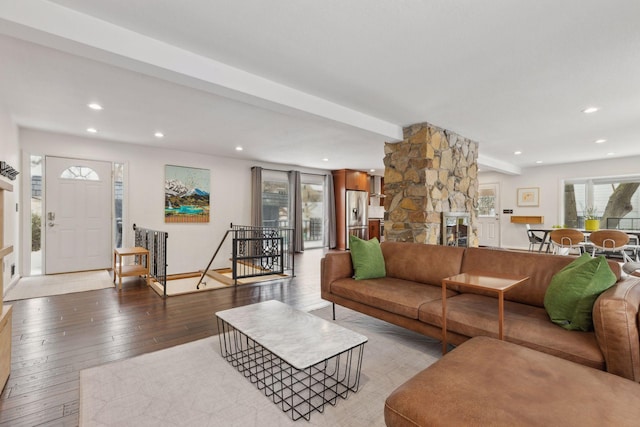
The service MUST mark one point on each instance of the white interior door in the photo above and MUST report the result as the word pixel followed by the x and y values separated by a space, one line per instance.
pixel 488 215
pixel 77 217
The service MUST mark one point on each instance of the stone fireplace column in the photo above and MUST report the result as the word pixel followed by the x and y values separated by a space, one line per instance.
pixel 431 171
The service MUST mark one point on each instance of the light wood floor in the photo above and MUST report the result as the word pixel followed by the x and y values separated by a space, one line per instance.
pixel 54 338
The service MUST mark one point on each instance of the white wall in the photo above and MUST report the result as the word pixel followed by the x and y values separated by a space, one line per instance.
pixel 550 180
pixel 10 153
pixel 190 246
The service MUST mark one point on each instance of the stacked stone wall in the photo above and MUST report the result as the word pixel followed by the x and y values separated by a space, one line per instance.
pixel 431 171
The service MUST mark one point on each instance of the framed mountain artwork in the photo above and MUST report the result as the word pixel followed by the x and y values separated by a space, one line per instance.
pixel 186 194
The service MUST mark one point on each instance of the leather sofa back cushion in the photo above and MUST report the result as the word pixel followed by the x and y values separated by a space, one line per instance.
pixel 421 263
pixel 539 267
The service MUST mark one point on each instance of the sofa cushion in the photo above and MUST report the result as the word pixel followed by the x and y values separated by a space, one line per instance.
pixel 573 291
pixel 487 382
pixel 473 315
pixel 539 267
pixel 367 259
pixel 421 263
pixel 397 296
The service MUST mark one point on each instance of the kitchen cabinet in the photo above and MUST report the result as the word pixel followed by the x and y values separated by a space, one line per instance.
pixel 357 180
pixel 346 180
pixel 374 229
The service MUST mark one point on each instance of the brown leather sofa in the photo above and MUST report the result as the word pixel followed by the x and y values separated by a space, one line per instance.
pixel 410 296
pixel 486 382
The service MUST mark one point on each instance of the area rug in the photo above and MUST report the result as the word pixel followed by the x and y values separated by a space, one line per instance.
pixel 192 384
pixel 58 284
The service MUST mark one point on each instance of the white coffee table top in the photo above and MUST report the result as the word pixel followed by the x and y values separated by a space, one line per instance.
pixel 299 338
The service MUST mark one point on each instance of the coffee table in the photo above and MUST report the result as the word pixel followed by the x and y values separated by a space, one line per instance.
pixel 499 283
pixel 299 361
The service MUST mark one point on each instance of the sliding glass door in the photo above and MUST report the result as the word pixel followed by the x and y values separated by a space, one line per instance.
pixel 276 204
pixel 312 210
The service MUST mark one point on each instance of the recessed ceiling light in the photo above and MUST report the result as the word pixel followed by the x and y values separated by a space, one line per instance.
pixel 517 153
pixel 159 135
pixel 95 106
pixel 372 170
pixel 539 161
pixel 600 141
pixel 590 110
pixel 325 160
pixel 611 154
pixel 92 130
pixel 238 148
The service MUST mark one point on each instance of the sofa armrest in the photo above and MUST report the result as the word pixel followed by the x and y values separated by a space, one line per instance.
pixel 334 266
pixel 615 318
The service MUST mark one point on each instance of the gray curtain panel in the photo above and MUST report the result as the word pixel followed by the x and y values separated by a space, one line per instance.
pixel 295 199
pixel 256 196
pixel 330 213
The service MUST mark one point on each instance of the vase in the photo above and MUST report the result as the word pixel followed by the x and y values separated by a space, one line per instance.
pixel 592 224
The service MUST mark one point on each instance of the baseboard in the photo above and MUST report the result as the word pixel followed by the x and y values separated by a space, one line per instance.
pixel 11 284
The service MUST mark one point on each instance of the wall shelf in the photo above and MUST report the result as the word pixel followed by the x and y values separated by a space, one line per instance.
pixel 5 251
pixel 529 219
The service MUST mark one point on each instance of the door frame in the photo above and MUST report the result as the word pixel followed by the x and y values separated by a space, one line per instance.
pixel 497 214
pixel 25 252
pixel 108 182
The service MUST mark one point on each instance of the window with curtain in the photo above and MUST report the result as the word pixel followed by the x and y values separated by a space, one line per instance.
pixel 276 207
pixel 312 210
pixel 275 199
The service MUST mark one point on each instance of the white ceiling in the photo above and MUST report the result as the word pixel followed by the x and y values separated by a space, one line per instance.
pixel 296 81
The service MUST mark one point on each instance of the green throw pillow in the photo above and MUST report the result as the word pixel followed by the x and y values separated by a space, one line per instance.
pixel 367 259
pixel 574 289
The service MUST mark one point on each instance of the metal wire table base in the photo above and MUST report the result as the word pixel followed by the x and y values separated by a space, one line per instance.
pixel 298 392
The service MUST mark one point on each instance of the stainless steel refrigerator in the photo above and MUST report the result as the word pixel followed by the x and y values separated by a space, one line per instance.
pixel 356 215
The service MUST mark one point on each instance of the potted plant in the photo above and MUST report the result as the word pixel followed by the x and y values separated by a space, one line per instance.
pixel 591 222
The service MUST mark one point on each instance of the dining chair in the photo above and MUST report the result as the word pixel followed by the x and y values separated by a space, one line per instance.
pixel 631 268
pixel 536 240
pixel 564 240
pixel 610 241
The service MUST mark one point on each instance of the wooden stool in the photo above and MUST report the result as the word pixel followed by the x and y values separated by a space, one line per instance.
pixel 139 269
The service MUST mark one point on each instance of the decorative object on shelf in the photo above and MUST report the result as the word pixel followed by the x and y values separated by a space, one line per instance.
pixel 591 221
pixel 8 171
pixel 186 194
pixel 529 196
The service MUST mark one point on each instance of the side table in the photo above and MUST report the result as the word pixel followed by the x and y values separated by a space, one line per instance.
pixel 139 269
pixel 494 283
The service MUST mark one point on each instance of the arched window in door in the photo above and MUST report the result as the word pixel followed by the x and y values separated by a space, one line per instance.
pixel 80 172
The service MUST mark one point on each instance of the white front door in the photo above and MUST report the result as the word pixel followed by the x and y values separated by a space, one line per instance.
pixel 77 218
pixel 488 215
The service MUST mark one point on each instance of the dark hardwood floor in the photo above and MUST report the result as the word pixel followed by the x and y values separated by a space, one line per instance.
pixel 54 338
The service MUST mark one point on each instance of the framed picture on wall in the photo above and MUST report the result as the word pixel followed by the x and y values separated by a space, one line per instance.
pixel 186 194
pixel 529 196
